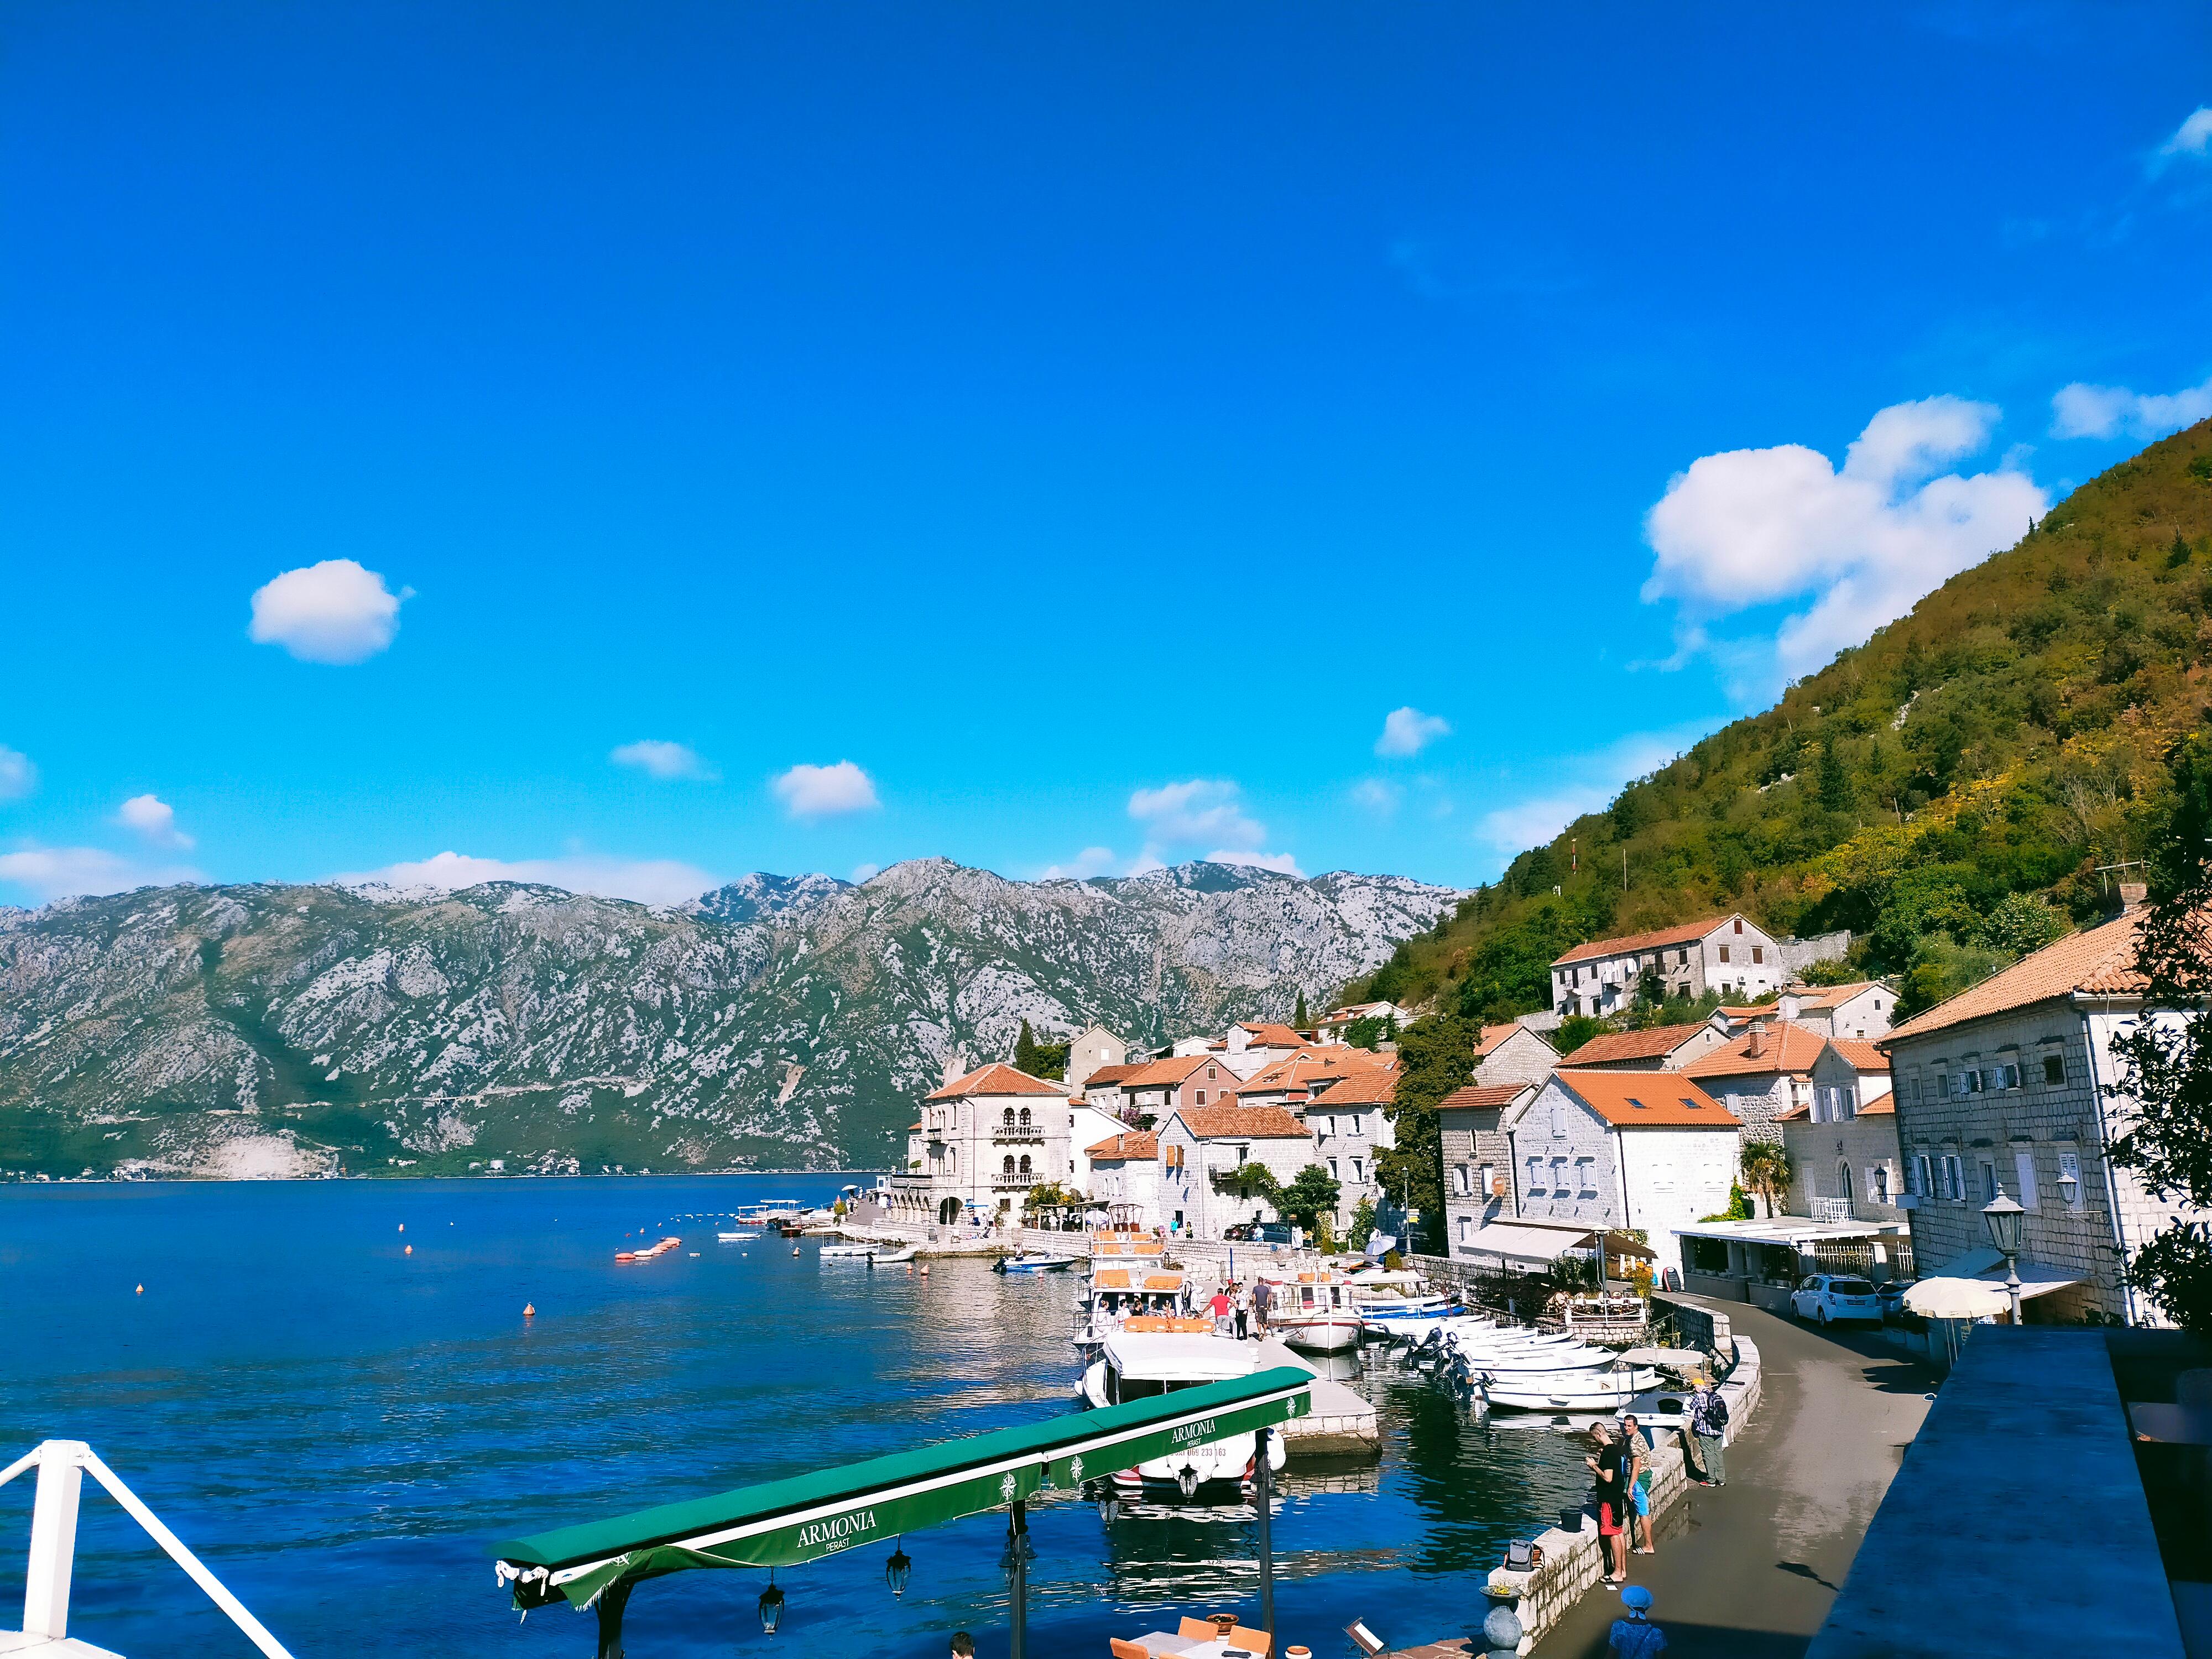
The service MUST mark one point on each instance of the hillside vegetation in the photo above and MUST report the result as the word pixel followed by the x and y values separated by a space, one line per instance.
pixel 1948 790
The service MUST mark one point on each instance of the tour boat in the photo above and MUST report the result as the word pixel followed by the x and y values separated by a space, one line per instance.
pixel 1152 1356
pixel 1313 1311
pixel 1113 1295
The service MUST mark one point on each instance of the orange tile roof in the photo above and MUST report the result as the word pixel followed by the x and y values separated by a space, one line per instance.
pixel 996 1079
pixel 1311 1064
pixel 2099 960
pixel 1241 1123
pixel 1135 1144
pixel 1481 1097
pixel 1784 1046
pixel 1651 1043
pixel 1686 933
pixel 1111 1073
pixel 1271 1036
pixel 1861 1054
pixel 1376 1086
pixel 1646 1100
pixel 1830 996
pixel 1166 1073
pixel 1886 1106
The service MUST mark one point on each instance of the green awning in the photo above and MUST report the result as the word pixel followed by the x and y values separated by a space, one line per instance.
pixel 784 1523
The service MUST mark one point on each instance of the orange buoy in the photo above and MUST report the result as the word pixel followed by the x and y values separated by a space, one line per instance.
pixel 530 1310
pixel 403 1226
pixel 409 1250
pixel 141 1291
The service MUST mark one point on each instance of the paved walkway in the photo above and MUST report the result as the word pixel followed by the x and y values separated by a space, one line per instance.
pixel 1748 1570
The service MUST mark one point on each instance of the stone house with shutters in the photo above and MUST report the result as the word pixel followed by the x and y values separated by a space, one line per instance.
pixel 1842 1141
pixel 1197 1143
pixel 1639 1151
pixel 2012 1086
pixel 1349 1119
pixel 1723 953
pixel 1162 1087
pixel 1478 1157
pixel 1125 1174
pixel 1761 1075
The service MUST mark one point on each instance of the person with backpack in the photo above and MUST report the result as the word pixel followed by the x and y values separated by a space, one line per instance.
pixel 1709 1419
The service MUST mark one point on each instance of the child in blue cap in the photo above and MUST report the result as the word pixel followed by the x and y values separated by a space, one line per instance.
pixel 1635 1636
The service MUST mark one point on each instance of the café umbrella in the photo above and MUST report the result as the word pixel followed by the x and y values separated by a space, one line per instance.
pixel 786 1524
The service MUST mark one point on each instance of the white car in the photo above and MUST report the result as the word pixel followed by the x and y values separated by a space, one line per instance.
pixel 1826 1297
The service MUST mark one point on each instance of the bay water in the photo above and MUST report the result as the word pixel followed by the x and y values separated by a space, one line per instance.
pixel 342 1429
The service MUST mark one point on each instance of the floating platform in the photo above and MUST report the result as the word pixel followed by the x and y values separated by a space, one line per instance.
pixel 1344 1421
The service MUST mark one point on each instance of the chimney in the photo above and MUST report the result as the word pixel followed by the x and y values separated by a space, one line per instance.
pixel 2132 893
pixel 1758 1044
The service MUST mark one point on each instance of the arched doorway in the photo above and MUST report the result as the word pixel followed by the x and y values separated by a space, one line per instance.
pixel 948 1211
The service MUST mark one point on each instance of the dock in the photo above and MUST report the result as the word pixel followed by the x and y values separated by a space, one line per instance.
pixel 1344 1421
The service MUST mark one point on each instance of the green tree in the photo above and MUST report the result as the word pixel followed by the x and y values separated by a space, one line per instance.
pixel 2165 1063
pixel 1309 1198
pixel 1298 1019
pixel 1436 1055
pixel 1026 1051
pixel 1363 1033
pixel 2020 923
pixel 1766 1171
pixel 1363 1223
pixel 1246 1182
pixel 1576 1030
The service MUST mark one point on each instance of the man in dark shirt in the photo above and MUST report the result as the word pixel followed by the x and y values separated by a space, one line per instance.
pixel 1611 1466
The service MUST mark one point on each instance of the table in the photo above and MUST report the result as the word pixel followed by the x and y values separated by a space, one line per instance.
pixel 1169 1645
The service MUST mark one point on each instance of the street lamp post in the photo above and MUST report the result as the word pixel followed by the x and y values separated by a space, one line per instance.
pixel 2004 1218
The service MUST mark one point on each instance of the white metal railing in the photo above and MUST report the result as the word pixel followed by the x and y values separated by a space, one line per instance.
pixel 61 1465
pixel 1832 1209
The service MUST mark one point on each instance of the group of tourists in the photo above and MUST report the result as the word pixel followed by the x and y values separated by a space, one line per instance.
pixel 1622 1465
pixel 1240 1310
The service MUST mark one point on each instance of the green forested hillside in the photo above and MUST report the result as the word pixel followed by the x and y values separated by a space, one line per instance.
pixel 1947 791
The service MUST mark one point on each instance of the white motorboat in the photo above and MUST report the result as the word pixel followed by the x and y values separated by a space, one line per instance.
pixel 737 1238
pixel 1403 1317
pixel 1034 1261
pixel 1149 1356
pixel 1313 1311
pixel 1576 1391
pixel 850 1252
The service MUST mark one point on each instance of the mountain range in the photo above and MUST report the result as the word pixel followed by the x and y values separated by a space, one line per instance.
pixel 274 1029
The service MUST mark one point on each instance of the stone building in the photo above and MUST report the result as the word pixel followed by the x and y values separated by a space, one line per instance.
pixel 1725 953
pixel 983 1142
pixel 2012 1086
pixel 1512 1054
pixel 1478 1157
pixel 1125 1174
pixel 1654 1048
pixel 1089 1052
pixel 1349 1119
pixel 1842 1141
pixel 1198 1143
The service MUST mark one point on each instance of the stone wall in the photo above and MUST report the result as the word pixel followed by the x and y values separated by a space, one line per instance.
pixel 1701 1327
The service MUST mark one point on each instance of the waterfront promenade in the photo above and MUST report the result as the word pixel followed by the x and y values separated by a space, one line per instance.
pixel 1748 1571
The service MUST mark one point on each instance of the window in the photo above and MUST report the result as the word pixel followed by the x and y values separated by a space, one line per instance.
pixel 1358 1171
pixel 1008 1168
pixel 1844 1181
pixel 2054 1068
pixel 1682 959
pixel 2024 1166
pixel 1585 1181
pixel 1991 1190
pixel 1560 1177
pixel 1559 1120
pixel 1466 1230
pixel 1954 1178
pixel 1332 1168
pixel 1025 1117
pixel 1201 1098
pixel 1025 1164
pixel 952 1160
pixel 1460 1184
pixel 2070 1179
pixel 1996 1079
pixel 1758 953
pixel 1489 1179
pixel 1010 1117
pixel 1724 953
pixel 1536 1175
pixel 1212 1075
pixel 1917 1175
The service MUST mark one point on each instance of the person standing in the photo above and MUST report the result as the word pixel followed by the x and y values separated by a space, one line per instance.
pixel 1261 1296
pixel 1610 1467
pixel 1218 1307
pixel 1639 1487
pixel 1243 1313
pixel 1709 1416
pixel 1633 1636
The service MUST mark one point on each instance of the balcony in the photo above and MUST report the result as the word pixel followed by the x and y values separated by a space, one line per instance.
pixel 1018 1136
pixel 1014 1183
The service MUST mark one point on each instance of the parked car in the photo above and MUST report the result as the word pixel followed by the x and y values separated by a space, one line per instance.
pixel 1890 1293
pixel 1258 1232
pixel 1824 1298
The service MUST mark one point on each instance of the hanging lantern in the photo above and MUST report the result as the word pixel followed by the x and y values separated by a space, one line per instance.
pixel 771 1606
pixel 898 1570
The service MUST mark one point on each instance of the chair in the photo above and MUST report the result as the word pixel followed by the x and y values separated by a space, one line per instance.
pixel 1199 1629
pixel 1250 1640
pixel 1127 1650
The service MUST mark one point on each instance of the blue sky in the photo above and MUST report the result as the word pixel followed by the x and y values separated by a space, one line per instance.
pixel 1068 435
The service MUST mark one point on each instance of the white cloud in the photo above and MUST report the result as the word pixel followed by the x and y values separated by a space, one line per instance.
pixel 1591 781
pixel 154 819
pixel 817 792
pixel 2082 410
pixel 1376 795
pixel 18 777
pixel 1091 861
pixel 1282 863
pixel 52 872
pixel 2192 138
pixel 647 881
pixel 1754 526
pixel 1180 816
pixel 1408 731
pixel 331 612
pixel 866 871
pixel 669 762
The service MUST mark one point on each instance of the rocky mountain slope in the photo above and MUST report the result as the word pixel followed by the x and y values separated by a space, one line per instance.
pixel 273 1029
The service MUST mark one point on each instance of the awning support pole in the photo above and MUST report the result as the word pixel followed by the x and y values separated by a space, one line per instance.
pixel 612 1601
pixel 1263 1485
pixel 1017 1546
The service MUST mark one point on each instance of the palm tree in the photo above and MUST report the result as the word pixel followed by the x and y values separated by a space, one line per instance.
pixel 1766 1171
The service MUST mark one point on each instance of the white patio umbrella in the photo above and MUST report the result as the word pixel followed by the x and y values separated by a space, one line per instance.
pixel 1956 1298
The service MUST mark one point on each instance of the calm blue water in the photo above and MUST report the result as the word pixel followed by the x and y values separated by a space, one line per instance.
pixel 340 1430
